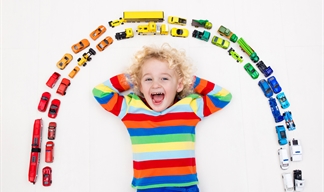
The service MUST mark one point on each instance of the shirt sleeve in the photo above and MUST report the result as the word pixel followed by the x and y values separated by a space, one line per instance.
pixel 212 97
pixel 108 94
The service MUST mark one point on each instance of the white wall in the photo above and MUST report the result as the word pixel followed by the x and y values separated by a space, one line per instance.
pixel 236 149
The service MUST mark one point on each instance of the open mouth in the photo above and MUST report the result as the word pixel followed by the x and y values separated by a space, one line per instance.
pixel 157 98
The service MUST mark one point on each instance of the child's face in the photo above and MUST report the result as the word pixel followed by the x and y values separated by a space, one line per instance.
pixel 159 84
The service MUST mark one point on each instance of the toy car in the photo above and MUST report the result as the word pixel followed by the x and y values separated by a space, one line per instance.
pixel 283 100
pixel 263 84
pixel 281 133
pixel 47 176
pixel 235 55
pixel 176 32
pixel 246 48
pixel 296 153
pixel 177 20
pixel 223 31
pixel 49 152
pixel 54 108
pixel 44 100
pixel 74 71
pixel 128 33
pixel 283 158
pixel 97 32
pixel 220 42
pixel 80 46
pixel 251 71
pixel 275 110
pixel 298 180
pixel 274 84
pixel 86 57
pixel 201 35
pixel 288 182
pixel 66 59
pixel 35 150
pixel 201 23
pixel 53 79
pixel 290 124
pixel 115 23
pixel 65 83
pixel 51 133
pixel 104 43
pixel 267 71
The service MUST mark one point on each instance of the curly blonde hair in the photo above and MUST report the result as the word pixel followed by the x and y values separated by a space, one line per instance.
pixel 176 59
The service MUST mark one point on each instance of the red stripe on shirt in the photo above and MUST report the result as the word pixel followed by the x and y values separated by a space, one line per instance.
pixel 164 163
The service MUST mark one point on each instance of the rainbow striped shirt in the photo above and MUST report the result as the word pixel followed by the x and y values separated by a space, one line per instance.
pixel 163 143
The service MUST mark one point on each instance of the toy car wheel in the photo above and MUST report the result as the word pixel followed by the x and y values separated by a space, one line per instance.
pixel 79 59
pixel 64 93
pixel 84 64
pixel 84 54
pixel 69 84
pixel 89 59
pixel 93 52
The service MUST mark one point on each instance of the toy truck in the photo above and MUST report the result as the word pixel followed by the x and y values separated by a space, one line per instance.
pixel 201 35
pixel 298 180
pixel 128 33
pixel 152 29
pixel 86 57
pixel 248 50
pixel 223 31
pixel 202 23
pixel 35 150
pixel 266 70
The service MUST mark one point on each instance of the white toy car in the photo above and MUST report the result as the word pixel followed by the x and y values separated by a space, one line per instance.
pixel 283 158
pixel 298 180
pixel 296 153
pixel 288 182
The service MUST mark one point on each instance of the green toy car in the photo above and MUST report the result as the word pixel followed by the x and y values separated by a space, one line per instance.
pixel 235 55
pixel 220 42
pixel 251 71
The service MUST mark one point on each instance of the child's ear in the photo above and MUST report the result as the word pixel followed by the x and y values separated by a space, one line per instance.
pixel 180 85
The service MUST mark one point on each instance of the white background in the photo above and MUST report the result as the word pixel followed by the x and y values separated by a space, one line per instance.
pixel 236 148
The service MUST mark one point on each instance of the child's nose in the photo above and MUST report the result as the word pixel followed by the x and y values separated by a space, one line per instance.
pixel 156 84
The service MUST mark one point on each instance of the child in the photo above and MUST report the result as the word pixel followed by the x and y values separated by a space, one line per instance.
pixel 161 116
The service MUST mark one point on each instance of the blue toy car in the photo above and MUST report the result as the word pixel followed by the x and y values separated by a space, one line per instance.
pixel 283 100
pixel 265 88
pixel 274 84
pixel 290 124
pixel 281 133
pixel 267 71
pixel 275 110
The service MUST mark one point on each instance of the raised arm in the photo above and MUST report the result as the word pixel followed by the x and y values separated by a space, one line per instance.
pixel 213 97
pixel 108 94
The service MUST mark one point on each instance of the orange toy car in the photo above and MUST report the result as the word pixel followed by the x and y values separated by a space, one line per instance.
pixel 84 43
pixel 66 59
pixel 98 32
pixel 49 153
pixel 74 71
pixel 104 43
pixel 65 83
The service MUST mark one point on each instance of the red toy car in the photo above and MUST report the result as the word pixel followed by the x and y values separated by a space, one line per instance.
pixel 53 79
pixel 44 100
pixel 65 83
pixel 47 176
pixel 54 108
pixel 49 153
pixel 51 131
pixel 35 150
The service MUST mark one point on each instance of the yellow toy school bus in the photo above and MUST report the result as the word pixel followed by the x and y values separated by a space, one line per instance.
pixel 143 16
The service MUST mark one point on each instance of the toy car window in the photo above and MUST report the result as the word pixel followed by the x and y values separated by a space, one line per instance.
pixel 283 99
pixel 33 159
pixel 81 44
pixel 44 98
pixel 283 134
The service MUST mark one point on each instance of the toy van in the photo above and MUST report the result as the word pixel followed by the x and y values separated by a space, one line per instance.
pixel 288 182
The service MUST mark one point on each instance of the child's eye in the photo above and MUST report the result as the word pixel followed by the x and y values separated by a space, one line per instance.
pixel 148 79
pixel 165 78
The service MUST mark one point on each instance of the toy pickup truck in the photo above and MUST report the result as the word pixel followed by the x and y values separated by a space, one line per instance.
pixel 152 29
pixel 248 50
pixel 201 35
pixel 128 33
pixel 266 70
pixel 223 31
pixel 202 23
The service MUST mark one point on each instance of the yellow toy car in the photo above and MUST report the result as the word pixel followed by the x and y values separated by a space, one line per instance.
pixel 220 42
pixel 177 20
pixel 74 71
pixel 66 59
pixel 115 23
pixel 177 32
